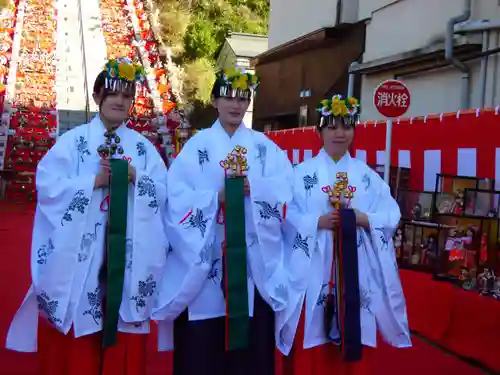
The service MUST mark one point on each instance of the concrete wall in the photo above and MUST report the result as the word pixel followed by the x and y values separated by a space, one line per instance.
pixel 290 19
pixel 399 26
pixel 95 45
pixel 70 82
pixel 81 54
pixel 394 27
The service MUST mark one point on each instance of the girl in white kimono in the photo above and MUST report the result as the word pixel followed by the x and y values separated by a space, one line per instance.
pixel 344 277
pixel 99 243
pixel 226 272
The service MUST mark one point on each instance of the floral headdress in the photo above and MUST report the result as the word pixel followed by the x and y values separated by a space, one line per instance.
pixel 122 74
pixel 347 109
pixel 235 82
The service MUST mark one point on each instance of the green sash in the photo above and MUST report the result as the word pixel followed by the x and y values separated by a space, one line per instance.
pixel 116 248
pixel 237 318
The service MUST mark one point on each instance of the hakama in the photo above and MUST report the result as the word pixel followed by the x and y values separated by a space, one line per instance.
pixel 61 354
pixel 70 249
pixel 200 345
pixel 309 328
pixel 324 359
pixel 196 294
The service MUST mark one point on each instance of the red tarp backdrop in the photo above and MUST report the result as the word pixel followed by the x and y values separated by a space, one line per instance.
pixel 450 141
pixel 454 143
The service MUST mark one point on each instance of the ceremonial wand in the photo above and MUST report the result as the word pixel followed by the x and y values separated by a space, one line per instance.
pixel 112 272
pixel 234 273
pixel 344 273
pixel 340 190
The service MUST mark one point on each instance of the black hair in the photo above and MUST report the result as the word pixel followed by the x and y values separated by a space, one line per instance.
pixel 215 93
pixel 99 82
pixel 100 87
pixel 325 121
pixel 219 87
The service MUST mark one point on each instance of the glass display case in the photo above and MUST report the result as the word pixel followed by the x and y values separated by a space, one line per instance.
pixel 415 205
pixel 421 245
pixel 481 203
pixel 450 192
pixel 453 232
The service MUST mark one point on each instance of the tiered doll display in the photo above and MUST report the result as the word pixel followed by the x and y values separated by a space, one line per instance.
pixel 33 116
pixel 452 232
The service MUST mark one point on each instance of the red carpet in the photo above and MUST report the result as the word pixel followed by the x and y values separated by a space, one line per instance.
pixel 15 237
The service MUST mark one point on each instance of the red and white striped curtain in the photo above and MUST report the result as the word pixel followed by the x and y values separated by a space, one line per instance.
pixel 466 144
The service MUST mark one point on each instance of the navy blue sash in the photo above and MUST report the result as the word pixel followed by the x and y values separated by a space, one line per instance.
pixel 343 306
pixel 349 308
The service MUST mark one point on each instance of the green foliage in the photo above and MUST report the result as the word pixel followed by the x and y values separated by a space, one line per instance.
pixel 174 21
pixel 199 40
pixel 196 30
pixel 203 25
pixel 198 78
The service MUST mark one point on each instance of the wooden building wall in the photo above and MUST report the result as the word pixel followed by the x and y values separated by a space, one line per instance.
pixel 323 69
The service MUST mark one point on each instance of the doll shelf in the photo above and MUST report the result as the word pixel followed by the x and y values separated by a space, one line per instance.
pixel 421 245
pixel 414 204
pixel 449 193
pixel 451 232
pixel 481 203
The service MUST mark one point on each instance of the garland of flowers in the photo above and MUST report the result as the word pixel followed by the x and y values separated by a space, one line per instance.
pixel 125 69
pixel 339 107
pixel 239 79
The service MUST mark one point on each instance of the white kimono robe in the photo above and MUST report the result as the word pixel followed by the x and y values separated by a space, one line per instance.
pixel 67 248
pixel 309 255
pixel 193 275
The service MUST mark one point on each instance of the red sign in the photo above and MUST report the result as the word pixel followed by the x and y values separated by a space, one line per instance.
pixel 392 99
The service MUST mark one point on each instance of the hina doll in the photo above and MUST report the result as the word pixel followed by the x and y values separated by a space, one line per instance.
pixel 344 281
pixel 458 205
pixel 464 275
pixel 430 250
pixel 470 282
pixel 98 247
pixel 495 293
pixel 486 282
pixel 416 211
pixel 468 240
pixel 454 246
pixel 226 277
pixel 468 245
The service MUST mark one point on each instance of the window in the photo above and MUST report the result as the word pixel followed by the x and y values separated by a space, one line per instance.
pixel 303 116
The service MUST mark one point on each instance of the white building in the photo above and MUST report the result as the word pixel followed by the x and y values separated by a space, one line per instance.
pixel 406 39
pixel 238 50
pixel 291 19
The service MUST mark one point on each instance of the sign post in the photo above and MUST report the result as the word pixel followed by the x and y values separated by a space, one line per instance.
pixel 392 100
